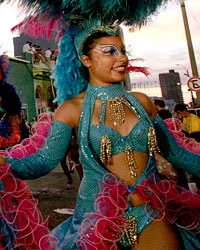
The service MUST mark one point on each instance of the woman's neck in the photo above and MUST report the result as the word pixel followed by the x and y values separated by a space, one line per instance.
pixel 106 92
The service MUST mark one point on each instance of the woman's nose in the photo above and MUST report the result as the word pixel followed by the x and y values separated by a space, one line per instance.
pixel 123 57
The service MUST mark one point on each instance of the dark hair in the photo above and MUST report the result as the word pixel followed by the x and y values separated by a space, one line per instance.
pixel 24 130
pixel 180 107
pixel 88 45
pixel 160 103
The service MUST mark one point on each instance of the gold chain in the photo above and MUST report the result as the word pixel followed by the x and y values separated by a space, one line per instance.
pixel 152 142
pixel 116 111
pixel 105 150
pixel 131 232
pixel 130 161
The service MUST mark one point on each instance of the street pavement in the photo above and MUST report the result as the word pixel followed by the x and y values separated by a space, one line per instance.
pixel 52 194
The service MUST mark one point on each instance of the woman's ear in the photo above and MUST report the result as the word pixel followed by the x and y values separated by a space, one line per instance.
pixel 85 61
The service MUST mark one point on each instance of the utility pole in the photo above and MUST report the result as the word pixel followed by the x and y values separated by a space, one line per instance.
pixel 190 46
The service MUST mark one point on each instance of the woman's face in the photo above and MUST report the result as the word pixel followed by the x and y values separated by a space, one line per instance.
pixel 107 61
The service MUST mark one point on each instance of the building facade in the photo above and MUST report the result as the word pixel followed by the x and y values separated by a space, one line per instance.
pixel 33 85
pixel 170 84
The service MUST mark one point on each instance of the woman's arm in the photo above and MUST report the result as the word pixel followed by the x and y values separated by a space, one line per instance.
pixel 47 157
pixel 172 152
pixel 175 154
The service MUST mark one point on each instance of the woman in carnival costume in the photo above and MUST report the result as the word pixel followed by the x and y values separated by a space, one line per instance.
pixel 123 202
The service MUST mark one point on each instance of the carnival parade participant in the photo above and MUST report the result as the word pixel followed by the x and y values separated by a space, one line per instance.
pixel 122 202
pixel 10 133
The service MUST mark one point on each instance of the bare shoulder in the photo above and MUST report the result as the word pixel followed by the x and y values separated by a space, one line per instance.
pixel 69 111
pixel 146 103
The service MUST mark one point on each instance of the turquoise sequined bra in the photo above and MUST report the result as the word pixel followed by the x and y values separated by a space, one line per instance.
pixel 137 139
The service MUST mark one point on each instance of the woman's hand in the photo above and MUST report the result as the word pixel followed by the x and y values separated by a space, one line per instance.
pixel 2 161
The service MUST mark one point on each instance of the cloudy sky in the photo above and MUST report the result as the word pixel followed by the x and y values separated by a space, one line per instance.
pixel 161 43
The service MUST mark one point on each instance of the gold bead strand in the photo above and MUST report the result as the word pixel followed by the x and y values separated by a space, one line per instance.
pixel 152 142
pixel 130 161
pixel 131 231
pixel 105 150
pixel 116 111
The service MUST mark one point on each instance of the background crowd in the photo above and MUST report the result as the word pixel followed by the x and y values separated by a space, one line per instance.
pixel 40 56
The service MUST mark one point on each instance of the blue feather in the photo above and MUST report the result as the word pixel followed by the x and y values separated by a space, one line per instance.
pixel 131 12
pixel 69 81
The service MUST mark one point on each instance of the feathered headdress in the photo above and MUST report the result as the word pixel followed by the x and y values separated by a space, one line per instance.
pixel 50 14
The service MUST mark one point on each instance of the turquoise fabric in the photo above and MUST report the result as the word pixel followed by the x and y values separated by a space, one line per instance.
pixel 137 138
pixel 67 232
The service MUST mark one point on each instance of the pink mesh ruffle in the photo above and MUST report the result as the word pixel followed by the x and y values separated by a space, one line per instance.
pixel 18 208
pixel 177 204
pixel 41 25
pixel 102 230
pixel 175 127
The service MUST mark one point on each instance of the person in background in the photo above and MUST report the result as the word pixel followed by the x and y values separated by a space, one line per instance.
pixel 191 128
pixel 25 129
pixel 26 47
pixel 163 166
pixel 34 52
pixel 10 103
pixel 10 132
pixel 48 53
pixel 72 157
pixel 191 122
pixel 161 109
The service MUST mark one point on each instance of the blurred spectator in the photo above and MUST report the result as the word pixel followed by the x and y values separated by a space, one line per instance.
pixel 34 48
pixel 25 129
pixel 161 110
pixel 191 127
pixel 48 53
pixel 40 58
pixel 33 122
pixel 26 47
pixel 10 122
pixel 72 155
pixel 34 52
pixel 48 56
pixel 191 122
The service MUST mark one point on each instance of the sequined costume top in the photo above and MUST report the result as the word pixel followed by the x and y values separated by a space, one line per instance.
pixel 42 162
